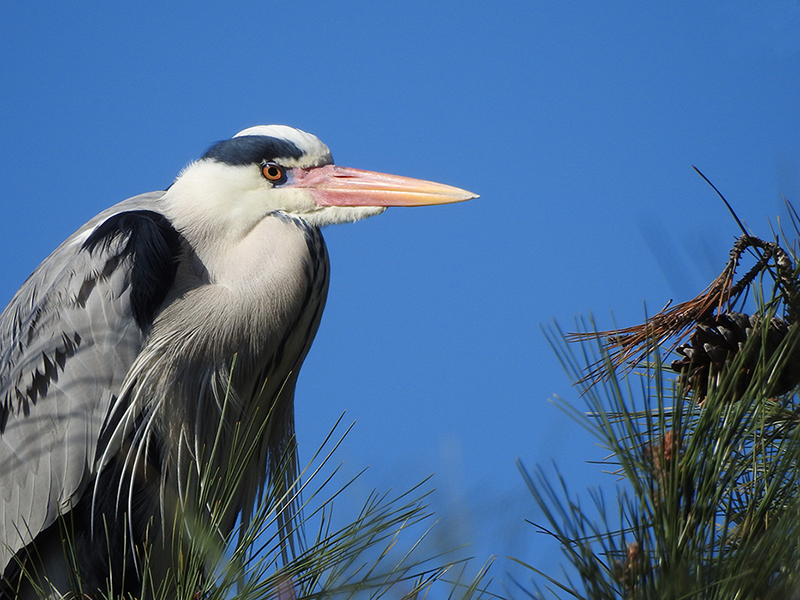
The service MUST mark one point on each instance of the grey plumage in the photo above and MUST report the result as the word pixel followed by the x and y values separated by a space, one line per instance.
pixel 117 370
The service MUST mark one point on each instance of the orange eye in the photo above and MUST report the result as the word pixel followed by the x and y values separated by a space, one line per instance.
pixel 272 172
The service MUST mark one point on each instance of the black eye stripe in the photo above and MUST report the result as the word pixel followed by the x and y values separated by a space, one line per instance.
pixel 249 149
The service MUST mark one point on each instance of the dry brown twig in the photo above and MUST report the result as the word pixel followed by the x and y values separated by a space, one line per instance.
pixel 632 345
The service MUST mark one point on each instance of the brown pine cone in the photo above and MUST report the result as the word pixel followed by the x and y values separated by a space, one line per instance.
pixel 716 341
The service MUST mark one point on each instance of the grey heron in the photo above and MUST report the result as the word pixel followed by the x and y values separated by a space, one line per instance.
pixel 118 370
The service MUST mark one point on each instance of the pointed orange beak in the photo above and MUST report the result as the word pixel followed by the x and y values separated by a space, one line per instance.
pixel 332 185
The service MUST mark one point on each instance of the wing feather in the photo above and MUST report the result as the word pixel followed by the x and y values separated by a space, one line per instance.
pixel 67 340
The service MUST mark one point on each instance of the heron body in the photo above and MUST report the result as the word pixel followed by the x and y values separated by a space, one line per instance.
pixel 135 352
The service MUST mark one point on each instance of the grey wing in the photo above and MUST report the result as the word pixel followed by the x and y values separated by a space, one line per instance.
pixel 67 340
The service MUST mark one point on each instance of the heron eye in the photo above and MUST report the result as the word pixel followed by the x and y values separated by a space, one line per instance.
pixel 273 172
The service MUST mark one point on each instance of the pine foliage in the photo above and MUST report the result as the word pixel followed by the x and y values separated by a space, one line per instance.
pixel 707 458
pixel 378 553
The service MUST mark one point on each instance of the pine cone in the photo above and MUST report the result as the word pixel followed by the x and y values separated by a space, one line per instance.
pixel 715 343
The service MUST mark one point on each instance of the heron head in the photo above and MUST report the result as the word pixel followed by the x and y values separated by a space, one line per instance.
pixel 278 169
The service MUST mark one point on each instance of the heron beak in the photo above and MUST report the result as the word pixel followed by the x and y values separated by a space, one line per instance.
pixel 332 185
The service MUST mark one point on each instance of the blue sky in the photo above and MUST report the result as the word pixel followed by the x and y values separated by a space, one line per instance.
pixel 577 122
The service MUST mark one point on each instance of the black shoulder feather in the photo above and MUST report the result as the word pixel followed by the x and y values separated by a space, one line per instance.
pixel 153 245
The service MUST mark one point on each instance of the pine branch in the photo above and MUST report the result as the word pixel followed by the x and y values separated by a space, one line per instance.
pixel 708 459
